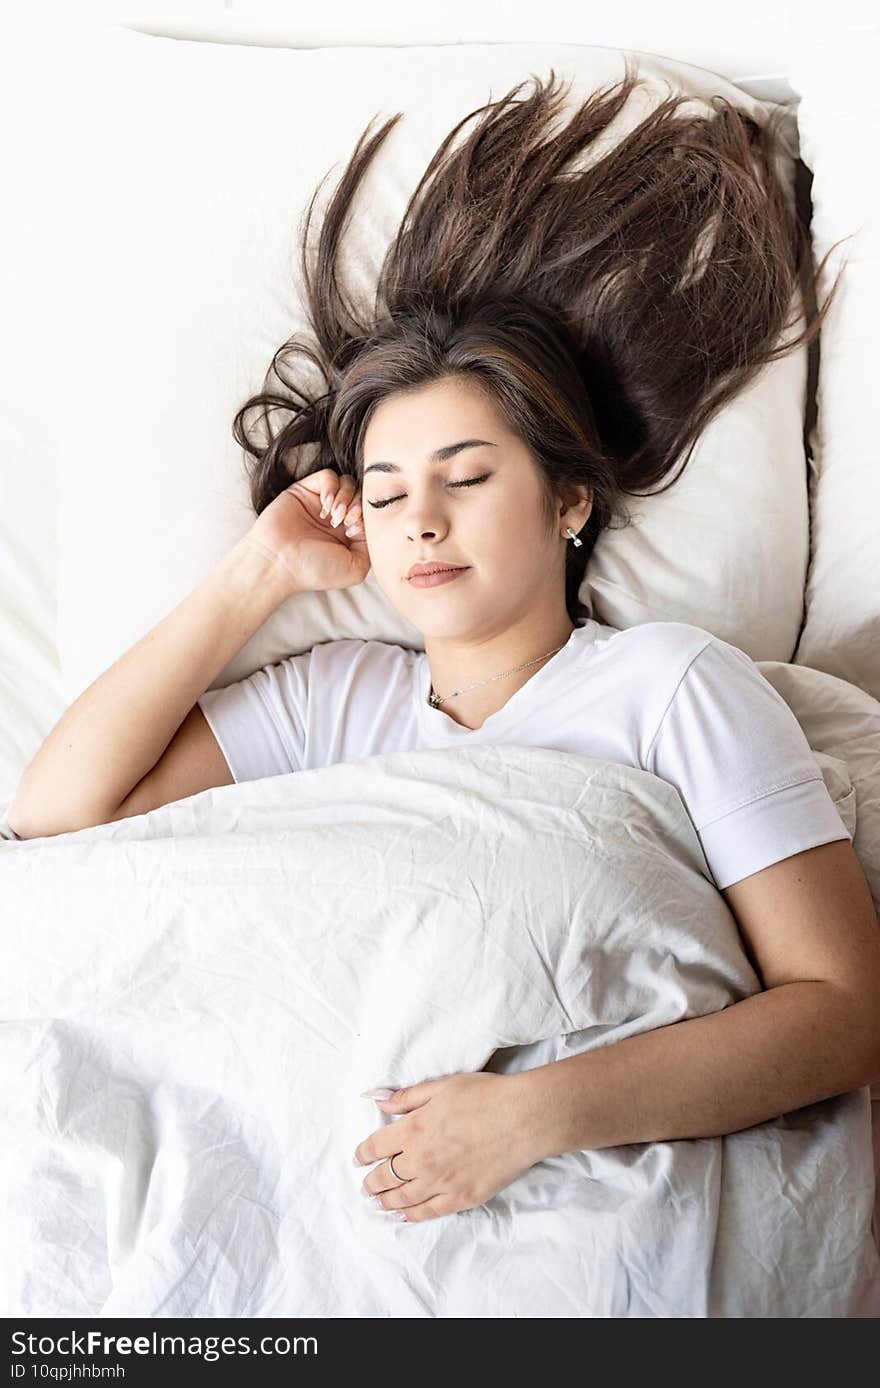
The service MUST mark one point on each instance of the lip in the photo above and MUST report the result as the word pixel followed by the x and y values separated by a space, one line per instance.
pixel 433 575
pixel 433 566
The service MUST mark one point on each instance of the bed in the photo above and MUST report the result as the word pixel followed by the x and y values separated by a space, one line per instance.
pixel 201 994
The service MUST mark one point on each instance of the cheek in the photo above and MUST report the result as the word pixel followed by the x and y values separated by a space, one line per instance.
pixel 518 521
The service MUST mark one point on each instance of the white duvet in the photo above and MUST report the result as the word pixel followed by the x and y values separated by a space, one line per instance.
pixel 194 1000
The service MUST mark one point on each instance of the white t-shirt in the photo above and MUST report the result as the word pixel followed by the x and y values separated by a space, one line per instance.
pixel 667 697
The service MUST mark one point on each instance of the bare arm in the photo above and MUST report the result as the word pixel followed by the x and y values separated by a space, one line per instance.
pixel 119 727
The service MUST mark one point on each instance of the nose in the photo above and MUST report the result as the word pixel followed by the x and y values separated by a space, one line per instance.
pixel 415 531
pixel 422 519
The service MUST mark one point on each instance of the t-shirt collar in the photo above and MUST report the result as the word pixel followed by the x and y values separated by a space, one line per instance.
pixel 436 720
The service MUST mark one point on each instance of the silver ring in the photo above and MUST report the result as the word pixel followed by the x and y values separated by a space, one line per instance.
pixel 395 1174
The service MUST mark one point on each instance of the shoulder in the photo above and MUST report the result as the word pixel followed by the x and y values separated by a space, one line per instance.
pixel 325 676
pixel 350 653
pixel 379 672
pixel 713 676
pixel 662 651
pixel 671 636
pixel 678 655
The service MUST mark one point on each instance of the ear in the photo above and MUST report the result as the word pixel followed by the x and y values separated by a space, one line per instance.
pixel 577 506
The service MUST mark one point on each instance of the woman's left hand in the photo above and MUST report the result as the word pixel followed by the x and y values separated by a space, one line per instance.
pixel 464 1138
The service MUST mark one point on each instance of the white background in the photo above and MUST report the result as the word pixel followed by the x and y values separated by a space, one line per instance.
pixel 725 40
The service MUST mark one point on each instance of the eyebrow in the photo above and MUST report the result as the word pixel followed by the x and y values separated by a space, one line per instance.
pixel 440 455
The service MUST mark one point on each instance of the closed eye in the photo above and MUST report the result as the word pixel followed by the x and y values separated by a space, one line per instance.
pixel 468 482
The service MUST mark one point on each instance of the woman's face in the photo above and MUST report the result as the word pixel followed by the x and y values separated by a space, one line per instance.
pixel 416 511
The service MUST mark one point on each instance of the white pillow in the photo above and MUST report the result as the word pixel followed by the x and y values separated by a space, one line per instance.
pixel 198 161
pixel 839 119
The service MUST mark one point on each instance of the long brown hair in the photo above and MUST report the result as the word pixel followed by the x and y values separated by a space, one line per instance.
pixel 609 306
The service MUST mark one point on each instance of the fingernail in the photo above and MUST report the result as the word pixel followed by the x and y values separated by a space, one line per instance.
pixel 324 507
pixel 377 1093
pixel 353 530
pixel 399 1214
pixel 338 513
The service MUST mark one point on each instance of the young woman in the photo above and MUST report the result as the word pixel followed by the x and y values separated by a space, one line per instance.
pixel 549 337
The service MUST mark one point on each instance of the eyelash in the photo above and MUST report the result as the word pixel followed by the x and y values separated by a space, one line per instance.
pixel 469 482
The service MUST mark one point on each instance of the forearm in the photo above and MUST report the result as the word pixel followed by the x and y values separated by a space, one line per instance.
pixel 118 728
pixel 757 1059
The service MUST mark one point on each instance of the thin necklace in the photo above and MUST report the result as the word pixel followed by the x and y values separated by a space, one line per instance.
pixel 434 699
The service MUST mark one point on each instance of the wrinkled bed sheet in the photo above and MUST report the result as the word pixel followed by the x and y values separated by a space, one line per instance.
pixel 198 996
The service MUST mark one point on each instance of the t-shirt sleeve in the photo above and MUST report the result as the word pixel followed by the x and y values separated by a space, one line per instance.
pixel 741 762
pixel 259 722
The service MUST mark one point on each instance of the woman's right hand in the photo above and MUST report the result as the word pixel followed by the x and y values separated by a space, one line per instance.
pixel 297 529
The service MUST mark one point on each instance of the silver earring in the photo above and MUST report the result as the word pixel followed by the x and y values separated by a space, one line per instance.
pixel 570 532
